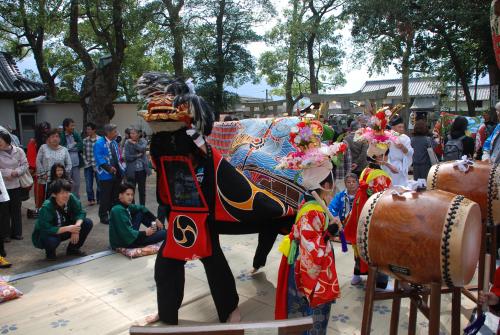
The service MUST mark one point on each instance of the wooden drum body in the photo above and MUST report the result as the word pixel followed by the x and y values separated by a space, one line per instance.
pixel 480 183
pixel 421 237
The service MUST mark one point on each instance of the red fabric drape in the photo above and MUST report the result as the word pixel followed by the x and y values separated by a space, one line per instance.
pixel 281 307
pixel 351 228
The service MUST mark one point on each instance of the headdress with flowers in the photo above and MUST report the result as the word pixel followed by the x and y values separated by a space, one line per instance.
pixel 376 134
pixel 311 152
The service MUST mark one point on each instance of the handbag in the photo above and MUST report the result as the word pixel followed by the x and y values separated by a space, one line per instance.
pixel 26 180
pixel 432 154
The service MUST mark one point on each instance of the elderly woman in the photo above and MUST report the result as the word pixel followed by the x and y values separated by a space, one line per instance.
pixel 49 154
pixel 13 164
pixel 137 163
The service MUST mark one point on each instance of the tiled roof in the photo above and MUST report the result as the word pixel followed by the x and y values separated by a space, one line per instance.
pixel 416 87
pixel 423 87
pixel 12 84
pixel 483 93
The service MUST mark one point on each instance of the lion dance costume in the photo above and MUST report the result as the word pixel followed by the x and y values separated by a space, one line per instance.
pixel 203 194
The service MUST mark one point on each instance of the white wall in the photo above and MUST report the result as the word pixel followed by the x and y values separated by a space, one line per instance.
pixel 7 113
pixel 55 113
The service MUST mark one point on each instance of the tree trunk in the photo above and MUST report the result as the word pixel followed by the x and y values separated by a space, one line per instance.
pixel 99 88
pixel 406 71
pixel 313 80
pixel 220 70
pixel 460 73
pixel 97 95
pixel 292 56
pixel 176 27
pixel 35 37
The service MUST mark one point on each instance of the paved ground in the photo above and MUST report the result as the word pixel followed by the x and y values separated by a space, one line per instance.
pixel 25 257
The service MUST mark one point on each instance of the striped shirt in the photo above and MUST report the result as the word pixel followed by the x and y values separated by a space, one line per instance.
pixel 88 151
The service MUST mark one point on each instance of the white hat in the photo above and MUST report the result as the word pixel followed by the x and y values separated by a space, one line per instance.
pixel 312 177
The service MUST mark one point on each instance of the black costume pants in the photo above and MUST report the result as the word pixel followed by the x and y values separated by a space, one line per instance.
pixel 266 240
pixel 170 278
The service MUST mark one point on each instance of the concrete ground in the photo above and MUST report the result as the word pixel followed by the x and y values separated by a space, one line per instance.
pixel 25 257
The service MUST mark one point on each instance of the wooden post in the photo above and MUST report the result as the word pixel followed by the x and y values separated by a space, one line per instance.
pixel 493 253
pixel 482 252
pixel 396 306
pixel 435 309
pixel 366 324
pixel 456 296
pixel 412 322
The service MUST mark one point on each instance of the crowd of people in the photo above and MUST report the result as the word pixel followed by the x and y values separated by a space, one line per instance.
pixel 51 167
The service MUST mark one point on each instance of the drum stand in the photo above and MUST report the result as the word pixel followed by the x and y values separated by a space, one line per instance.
pixel 419 295
pixel 488 245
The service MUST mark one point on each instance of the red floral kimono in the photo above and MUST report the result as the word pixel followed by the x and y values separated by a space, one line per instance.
pixel 315 273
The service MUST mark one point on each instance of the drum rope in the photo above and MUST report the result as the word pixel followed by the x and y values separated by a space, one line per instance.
pixel 434 176
pixel 445 247
pixel 364 249
pixel 491 184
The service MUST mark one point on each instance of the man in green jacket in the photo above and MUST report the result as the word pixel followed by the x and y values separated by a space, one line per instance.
pixel 126 218
pixel 73 142
pixel 61 217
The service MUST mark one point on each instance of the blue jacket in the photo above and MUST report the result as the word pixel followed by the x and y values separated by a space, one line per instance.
pixel 491 139
pixel 102 158
pixel 340 205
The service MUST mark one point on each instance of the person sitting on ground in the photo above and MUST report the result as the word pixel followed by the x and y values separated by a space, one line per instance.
pixel 57 171
pixel 126 218
pixel 60 218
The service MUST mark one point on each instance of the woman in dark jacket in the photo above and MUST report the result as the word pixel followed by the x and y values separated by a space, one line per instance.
pixel 420 142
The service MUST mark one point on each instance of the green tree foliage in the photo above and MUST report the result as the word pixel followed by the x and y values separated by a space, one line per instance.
pixel 459 32
pixel 218 38
pixel 389 33
pixel 306 55
pixel 424 36
pixel 32 27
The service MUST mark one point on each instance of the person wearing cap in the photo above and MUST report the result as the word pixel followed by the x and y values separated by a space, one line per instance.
pixel 491 148
pixel 307 277
pixel 125 219
pixel 400 154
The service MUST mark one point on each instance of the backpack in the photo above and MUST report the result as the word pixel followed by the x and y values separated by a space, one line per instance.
pixel 453 149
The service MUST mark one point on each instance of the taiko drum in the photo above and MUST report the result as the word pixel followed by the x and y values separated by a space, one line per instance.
pixel 421 237
pixel 480 183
